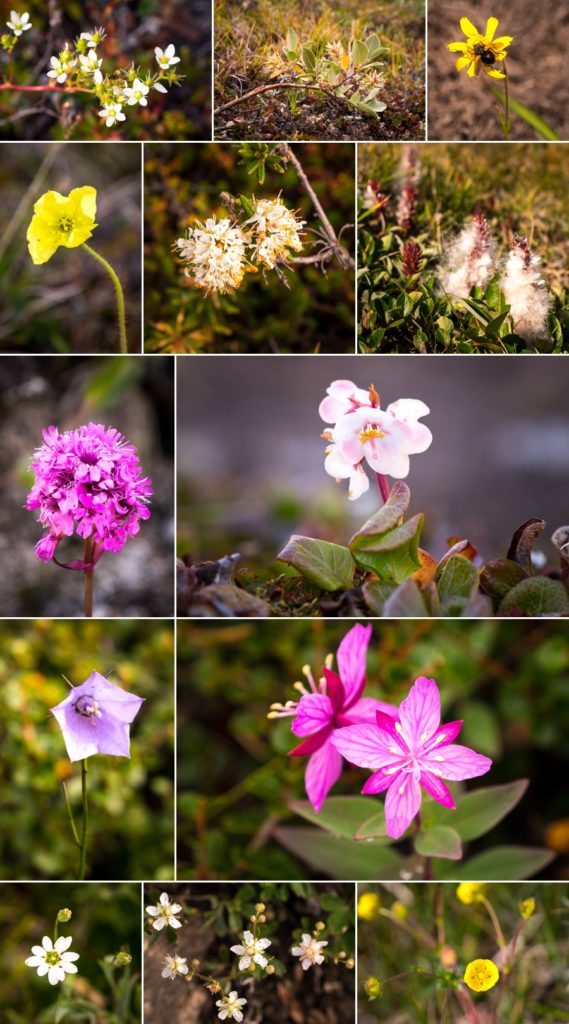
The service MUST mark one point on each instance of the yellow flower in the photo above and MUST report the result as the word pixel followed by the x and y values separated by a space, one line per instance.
pixel 61 220
pixel 471 892
pixel 399 911
pixel 480 975
pixel 481 50
pixel 527 907
pixel 368 906
pixel 373 987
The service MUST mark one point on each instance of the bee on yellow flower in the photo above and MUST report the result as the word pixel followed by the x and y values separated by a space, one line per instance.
pixel 481 51
pixel 481 975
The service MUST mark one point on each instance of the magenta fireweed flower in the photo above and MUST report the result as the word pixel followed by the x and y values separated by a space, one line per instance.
pixel 88 481
pixel 411 753
pixel 327 708
pixel 95 718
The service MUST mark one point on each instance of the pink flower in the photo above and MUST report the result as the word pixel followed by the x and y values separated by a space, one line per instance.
pixel 327 708
pixel 413 752
pixel 363 432
pixel 88 481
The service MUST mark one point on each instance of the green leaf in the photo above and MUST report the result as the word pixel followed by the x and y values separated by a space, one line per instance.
pixel 393 556
pixel 495 324
pixel 374 827
pixel 541 127
pixel 389 515
pixel 360 52
pixel 439 841
pixel 308 59
pixel 330 566
pixel 291 40
pixel 407 602
pixel 498 577
pixel 457 584
pixel 536 596
pixel 376 594
pixel 246 205
pixel 373 44
pixel 481 727
pixel 480 810
pixel 511 862
pixel 522 542
pixel 341 815
pixel 340 858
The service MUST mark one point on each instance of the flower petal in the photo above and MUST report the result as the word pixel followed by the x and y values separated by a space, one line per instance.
pixel 461 63
pixel 420 712
pixel 335 689
pixel 491 26
pixel 436 788
pixel 351 659
pixel 456 762
pixel 444 734
pixel 457 47
pixel 314 712
pixel 402 802
pixel 365 710
pixel 322 771
pixel 377 783
pixel 474 69
pixel 365 746
pixel 312 743
pixel 468 28
pixel 493 72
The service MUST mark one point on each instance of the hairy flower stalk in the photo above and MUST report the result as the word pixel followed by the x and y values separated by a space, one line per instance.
pixel 407 206
pixel 412 256
pixel 469 259
pixel 525 292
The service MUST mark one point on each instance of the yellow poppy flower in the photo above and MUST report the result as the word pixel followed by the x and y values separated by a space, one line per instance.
pixel 471 892
pixel 481 50
pixel 369 906
pixel 480 975
pixel 61 220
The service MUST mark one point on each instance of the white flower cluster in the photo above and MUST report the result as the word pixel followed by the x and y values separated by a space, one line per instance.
pixel 219 253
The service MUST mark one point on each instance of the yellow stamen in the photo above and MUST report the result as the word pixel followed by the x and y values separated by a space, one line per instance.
pixel 370 434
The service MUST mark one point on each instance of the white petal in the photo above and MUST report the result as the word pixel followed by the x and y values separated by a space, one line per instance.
pixel 63 943
pixel 240 950
pixel 174 923
pixel 55 975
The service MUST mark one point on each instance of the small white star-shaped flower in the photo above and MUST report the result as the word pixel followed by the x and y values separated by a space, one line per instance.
pixel 165 913
pixel 112 112
pixel 53 959
pixel 91 65
pixel 136 93
pixel 174 967
pixel 19 22
pixel 309 952
pixel 251 950
pixel 166 58
pixel 230 1006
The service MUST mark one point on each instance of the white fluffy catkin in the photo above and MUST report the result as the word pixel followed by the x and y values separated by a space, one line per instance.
pixel 469 259
pixel 525 292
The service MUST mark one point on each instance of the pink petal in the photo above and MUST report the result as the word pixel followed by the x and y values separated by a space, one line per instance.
pixel 365 710
pixel 444 734
pixel 456 762
pixel 377 783
pixel 314 712
pixel 436 788
pixel 389 725
pixel 322 771
pixel 334 689
pixel 402 803
pixel 359 483
pixel 312 744
pixel 420 712
pixel 351 658
pixel 339 400
pixel 364 745
pixel 409 410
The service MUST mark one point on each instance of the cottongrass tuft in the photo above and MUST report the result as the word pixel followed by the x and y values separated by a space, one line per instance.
pixel 525 292
pixel 469 259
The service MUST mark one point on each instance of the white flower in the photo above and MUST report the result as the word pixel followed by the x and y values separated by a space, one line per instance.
pixel 251 950
pixel 309 952
pixel 94 38
pixel 174 966
pixel 277 231
pixel 230 1007
pixel 19 22
pixel 91 66
pixel 215 252
pixel 164 913
pixel 60 67
pixel 524 291
pixel 159 87
pixel 136 93
pixel 469 260
pixel 53 960
pixel 166 58
pixel 112 112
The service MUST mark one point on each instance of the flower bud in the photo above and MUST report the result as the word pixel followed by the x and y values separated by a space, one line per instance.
pixel 64 915
pixel 448 956
pixel 373 988
pixel 260 907
pixel 350 964
pixel 195 964
pixel 269 969
pixel 319 926
pixel 527 907
pixel 471 892
pixel 400 911
pixel 369 905
pixel 122 959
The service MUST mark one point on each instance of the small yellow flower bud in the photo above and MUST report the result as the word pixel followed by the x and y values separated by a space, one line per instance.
pixel 64 915
pixel 480 975
pixel 400 911
pixel 527 907
pixel 373 988
pixel 319 926
pixel 262 919
pixel 269 969
pixel 350 964
pixel 260 907
pixel 122 959
pixel 195 964
pixel 369 906
pixel 557 835
pixel 471 892
pixel 447 956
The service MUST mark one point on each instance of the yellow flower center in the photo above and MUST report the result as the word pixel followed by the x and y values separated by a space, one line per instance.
pixel 481 975
pixel 370 433
pixel 65 225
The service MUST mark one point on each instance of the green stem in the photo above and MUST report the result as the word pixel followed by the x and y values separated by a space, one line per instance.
pixel 494 918
pixel 84 823
pixel 71 818
pixel 507 124
pixel 88 574
pixel 121 317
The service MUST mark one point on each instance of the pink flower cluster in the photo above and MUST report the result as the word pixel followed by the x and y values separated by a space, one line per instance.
pixel 88 481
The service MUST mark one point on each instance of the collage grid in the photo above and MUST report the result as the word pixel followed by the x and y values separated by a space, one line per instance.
pixel 201 426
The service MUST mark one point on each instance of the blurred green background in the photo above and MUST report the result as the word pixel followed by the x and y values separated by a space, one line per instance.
pixel 106 919
pixel 131 800
pixel 132 394
pixel 134 28
pixel 534 992
pixel 182 185
pixel 508 680
pixel 68 304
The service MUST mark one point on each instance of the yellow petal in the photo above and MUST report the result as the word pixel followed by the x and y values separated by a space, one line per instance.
pixel 86 198
pixel 474 68
pixel 502 42
pixel 461 63
pixel 493 73
pixel 457 47
pixel 491 26
pixel 468 28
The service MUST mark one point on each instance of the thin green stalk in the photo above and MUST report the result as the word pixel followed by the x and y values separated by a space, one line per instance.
pixel 121 317
pixel 84 823
pixel 88 574
pixel 71 818
pixel 507 123
pixel 495 922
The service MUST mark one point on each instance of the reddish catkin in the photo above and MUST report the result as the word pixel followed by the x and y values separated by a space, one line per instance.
pixel 412 256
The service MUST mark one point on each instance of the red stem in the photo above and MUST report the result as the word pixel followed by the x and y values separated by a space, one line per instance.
pixel 45 88
pixel 383 484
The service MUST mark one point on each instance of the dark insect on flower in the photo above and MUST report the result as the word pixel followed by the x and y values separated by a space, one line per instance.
pixel 486 56
pixel 412 256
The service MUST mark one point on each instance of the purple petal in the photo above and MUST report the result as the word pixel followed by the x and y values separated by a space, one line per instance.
pixel 366 746
pixel 335 690
pixel 312 744
pixel 436 788
pixel 456 762
pixel 113 737
pixel 378 782
pixel 420 712
pixel 386 724
pixel 351 659
pixel 313 713
pixel 322 771
pixel 364 710
pixel 78 733
pixel 444 734
pixel 402 803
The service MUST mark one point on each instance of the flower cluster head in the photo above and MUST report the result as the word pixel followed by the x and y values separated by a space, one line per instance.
pixel 469 260
pixel 471 892
pixel 19 23
pixel 95 718
pixel 88 481
pixel 481 51
pixel 363 432
pixel 276 231
pixel 524 291
pixel 410 752
pixel 326 708
pixel 53 959
pixel 165 913
pixel 481 975
pixel 308 951
pixel 174 967
pixel 230 1007
pixel 215 253
pixel 61 220
pixel 251 951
